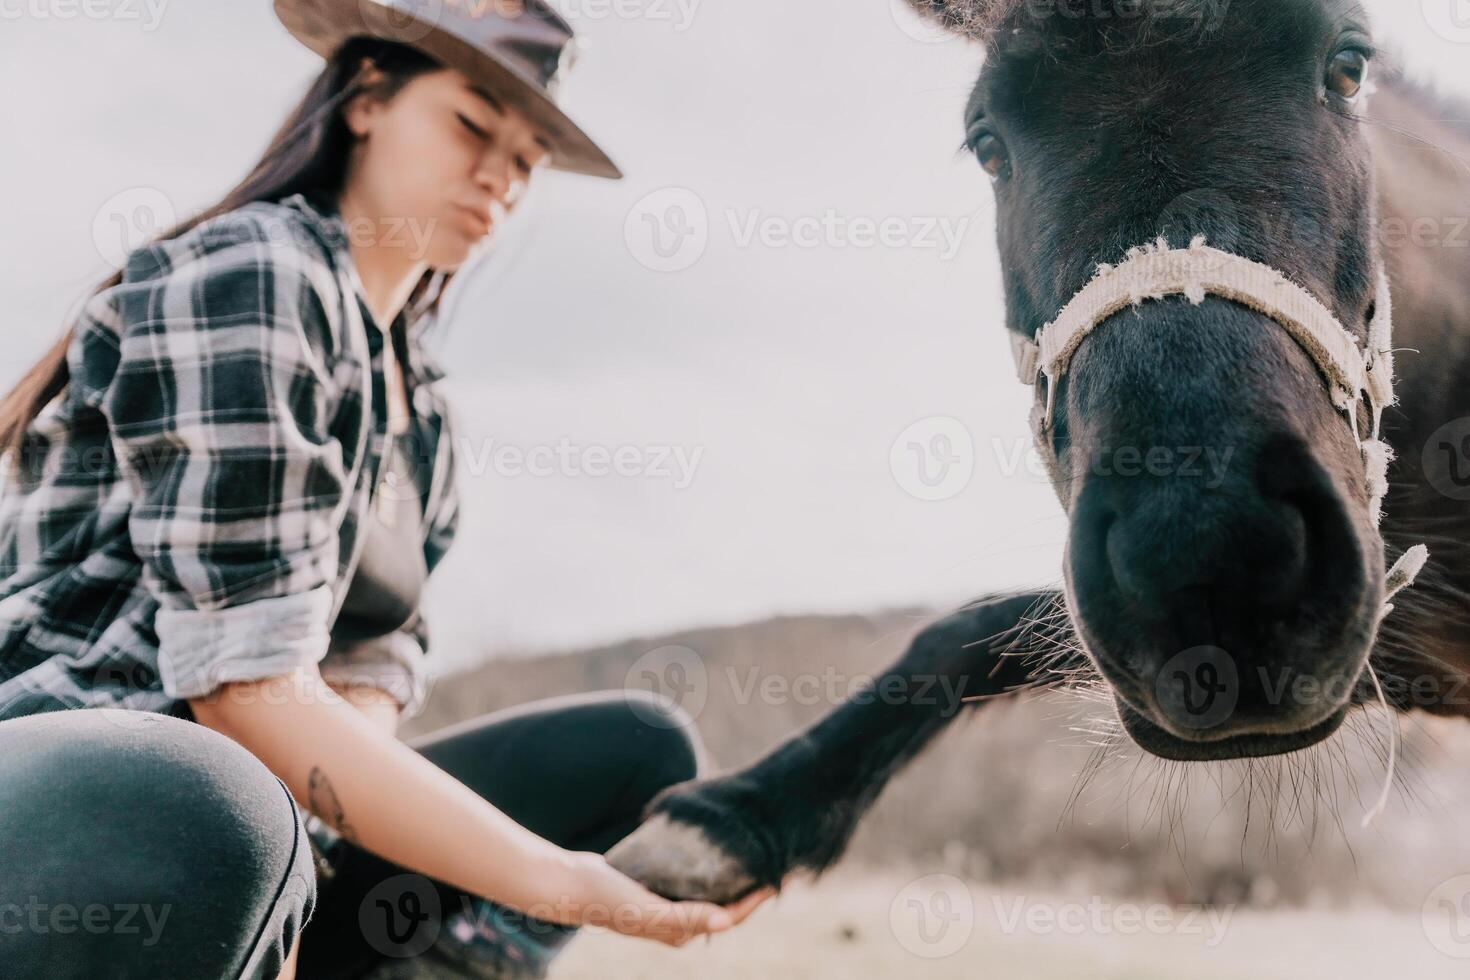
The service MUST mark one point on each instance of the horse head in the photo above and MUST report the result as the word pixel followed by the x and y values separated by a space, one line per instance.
pixel 1224 570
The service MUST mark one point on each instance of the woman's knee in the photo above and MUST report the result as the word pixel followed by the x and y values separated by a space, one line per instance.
pixel 176 827
pixel 666 736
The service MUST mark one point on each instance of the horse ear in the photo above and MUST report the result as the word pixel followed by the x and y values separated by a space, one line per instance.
pixel 971 18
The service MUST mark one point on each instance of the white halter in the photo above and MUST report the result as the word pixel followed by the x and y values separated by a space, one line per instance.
pixel 1155 271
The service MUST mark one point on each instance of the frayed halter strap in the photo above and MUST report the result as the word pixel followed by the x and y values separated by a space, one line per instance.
pixel 1353 375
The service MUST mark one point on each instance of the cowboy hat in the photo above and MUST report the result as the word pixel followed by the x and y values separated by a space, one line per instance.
pixel 518 50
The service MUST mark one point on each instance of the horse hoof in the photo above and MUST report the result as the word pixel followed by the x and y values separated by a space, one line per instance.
pixel 679 861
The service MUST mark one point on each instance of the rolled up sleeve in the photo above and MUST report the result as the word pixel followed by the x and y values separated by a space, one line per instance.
pixel 202 649
pixel 393 663
pixel 220 410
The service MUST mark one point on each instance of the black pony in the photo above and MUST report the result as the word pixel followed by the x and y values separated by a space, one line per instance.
pixel 1249 599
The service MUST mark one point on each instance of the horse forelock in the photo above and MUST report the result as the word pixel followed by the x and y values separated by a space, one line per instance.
pixel 982 19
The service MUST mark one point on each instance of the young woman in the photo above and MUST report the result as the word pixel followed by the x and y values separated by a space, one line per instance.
pixel 223 490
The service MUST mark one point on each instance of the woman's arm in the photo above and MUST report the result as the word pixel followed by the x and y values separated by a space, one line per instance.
pixel 386 676
pixel 378 792
pixel 376 704
pixel 217 373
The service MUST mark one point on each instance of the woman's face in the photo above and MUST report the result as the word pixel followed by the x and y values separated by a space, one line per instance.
pixel 440 164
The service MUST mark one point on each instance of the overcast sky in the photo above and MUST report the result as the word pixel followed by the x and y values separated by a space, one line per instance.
pixel 780 326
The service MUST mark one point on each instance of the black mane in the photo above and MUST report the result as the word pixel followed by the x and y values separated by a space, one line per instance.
pixel 980 19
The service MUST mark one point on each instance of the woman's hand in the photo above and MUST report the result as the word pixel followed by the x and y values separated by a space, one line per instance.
pixel 379 793
pixel 611 899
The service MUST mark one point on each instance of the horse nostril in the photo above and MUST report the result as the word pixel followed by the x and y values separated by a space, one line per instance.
pixel 1130 571
pixel 1281 558
pixel 1197 571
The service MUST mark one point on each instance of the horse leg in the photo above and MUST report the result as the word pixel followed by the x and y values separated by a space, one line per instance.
pixel 718 838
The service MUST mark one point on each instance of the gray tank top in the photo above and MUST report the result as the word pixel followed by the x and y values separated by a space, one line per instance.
pixel 388 582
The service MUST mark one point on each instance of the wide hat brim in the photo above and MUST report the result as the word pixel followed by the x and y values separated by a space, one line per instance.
pixel 449 34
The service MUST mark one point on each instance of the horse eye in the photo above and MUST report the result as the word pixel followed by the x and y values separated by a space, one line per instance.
pixel 992 154
pixel 1346 74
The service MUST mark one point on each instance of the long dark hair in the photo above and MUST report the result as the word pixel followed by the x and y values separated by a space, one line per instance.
pixel 308 154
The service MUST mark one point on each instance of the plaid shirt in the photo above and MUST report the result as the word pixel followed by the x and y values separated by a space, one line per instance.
pixel 186 512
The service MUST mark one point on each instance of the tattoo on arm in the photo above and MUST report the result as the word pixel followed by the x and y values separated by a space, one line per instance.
pixel 322 800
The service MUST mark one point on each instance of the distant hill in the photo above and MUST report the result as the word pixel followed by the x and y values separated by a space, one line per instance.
pixel 735 659
pixel 993 797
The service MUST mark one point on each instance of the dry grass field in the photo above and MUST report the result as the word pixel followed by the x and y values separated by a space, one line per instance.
pixel 1051 859
pixel 846 928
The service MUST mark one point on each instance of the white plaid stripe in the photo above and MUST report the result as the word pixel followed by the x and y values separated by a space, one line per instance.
pixel 186 512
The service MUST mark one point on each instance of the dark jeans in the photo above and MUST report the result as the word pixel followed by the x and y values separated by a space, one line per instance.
pixel 139 845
